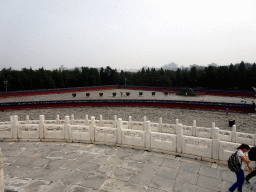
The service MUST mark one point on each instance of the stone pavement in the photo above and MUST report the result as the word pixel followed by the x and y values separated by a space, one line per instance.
pixel 76 167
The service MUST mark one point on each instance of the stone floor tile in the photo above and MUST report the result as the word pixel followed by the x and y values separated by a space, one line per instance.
pixel 155 160
pixel 14 184
pixel 36 185
pixel 116 162
pixel 195 161
pixel 28 153
pixel 106 171
pixel 210 172
pixel 171 163
pixel 187 177
pixel 93 181
pixel 228 176
pixel 71 155
pixel 77 188
pixel 74 177
pixel 57 187
pixel 23 161
pixel 112 185
pixel 102 160
pixel 133 188
pixel 162 183
pixel 88 167
pixel 142 178
pixel 209 183
pixel 85 158
pixel 167 172
pixel 201 189
pixel 20 172
pixel 8 168
pixel 56 175
pixel 39 162
pixel 56 163
pixel 56 155
pixel 72 165
pixel 9 159
pixel 149 168
pixel 184 187
pixel 151 189
pixel 43 153
pixel 123 174
pixel 57 147
pixel 123 154
pixel 38 173
pixel 111 152
pixel 97 151
pixel 138 157
pixel 189 167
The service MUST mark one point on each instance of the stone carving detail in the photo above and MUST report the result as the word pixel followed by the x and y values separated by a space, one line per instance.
pixel 50 121
pixel 169 126
pixel 5 128
pixel 228 148
pixel 80 129
pixel 133 134
pixel 196 143
pixel 54 128
pixel 163 138
pixel 187 128
pixel 26 128
pixel 137 124
pixel 224 133
pixel 245 136
pixel 205 130
pixel 107 123
pixel 106 131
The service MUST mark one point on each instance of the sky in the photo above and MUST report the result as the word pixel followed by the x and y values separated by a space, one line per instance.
pixel 126 34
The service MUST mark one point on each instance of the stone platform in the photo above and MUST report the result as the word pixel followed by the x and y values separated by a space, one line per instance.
pixel 76 167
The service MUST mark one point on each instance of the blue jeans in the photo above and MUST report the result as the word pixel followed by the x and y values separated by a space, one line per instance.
pixel 239 183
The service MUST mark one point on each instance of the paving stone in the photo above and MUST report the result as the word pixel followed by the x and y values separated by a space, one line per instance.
pixel 88 167
pixel 42 153
pixel 228 176
pixel 132 165
pixel 123 174
pixel 36 185
pixel 72 165
pixel 56 187
pixel 39 162
pixel 97 151
pixel 133 188
pixel 14 184
pixel 162 183
pixel 138 157
pixel 195 161
pixel 56 147
pixel 20 172
pixel 149 168
pixel 151 189
pixel 71 155
pixel 85 158
pixel 102 160
pixel 111 152
pixel 23 161
pixel 123 154
pixel 155 160
pixel 38 173
pixel 14 152
pixel 167 172
pixel 189 167
pixel 115 161
pixel 142 178
pixel 209 183
pixel 106 171
pixel 8 168
pixel 9 159
pixel 225 185
pixel 56 175
pixel 56 155
pixel 210 172
pixel 93 181
pixel 28 153
pixel 185 187
pixel 187 177
pixel 112 185
pixel 202 189
pixel 74 177
pixel 77 188
pixel 56 163
pixel 171 163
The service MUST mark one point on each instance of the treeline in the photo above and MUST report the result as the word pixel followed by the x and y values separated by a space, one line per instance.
pixel 240 76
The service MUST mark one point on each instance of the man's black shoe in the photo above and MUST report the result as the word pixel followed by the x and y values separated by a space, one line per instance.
pixel 247 181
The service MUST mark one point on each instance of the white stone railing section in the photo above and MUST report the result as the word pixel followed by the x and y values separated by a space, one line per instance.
pixel 1 173
pixel 206 143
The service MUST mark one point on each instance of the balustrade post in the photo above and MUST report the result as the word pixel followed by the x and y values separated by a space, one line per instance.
pixel 66 128
pixel 72 119
pixel 92 128
pixel 213 126
pixel 58 120
pixel 101 122
pixel 160 125
pixel 215 143
pixel 179 130
pixel 233 134
pixel 194 128
pixel 147 135
pixel 130 122
pixel 144 122
pixel 41 127
pixel 1 173
pixel 27 119
pixel 86 120
pixel 15 127
pixel 119 131
pixel 176 125
pixel 115 122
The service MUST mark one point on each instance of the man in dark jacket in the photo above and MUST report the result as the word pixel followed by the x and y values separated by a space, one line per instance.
pixel 252 157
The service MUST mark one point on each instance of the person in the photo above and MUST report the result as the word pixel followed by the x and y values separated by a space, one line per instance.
pixel 253 106
pixel 242 100
pixel 243 148
pixel 121 94
pixel 252 157
pixel 227 111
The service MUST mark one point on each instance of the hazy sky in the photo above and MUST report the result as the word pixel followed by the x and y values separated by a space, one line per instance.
pixel 126 33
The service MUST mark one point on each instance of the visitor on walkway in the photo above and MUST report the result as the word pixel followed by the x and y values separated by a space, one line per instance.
pixel 243 148
pixel 227 111
pixel 252 157
pixel 121 94
pixel 242 100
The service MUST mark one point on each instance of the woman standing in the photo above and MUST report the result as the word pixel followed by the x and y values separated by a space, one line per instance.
pixel 243 148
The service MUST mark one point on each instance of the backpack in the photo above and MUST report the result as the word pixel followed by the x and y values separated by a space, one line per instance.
pixel 233 163
pixel 252 154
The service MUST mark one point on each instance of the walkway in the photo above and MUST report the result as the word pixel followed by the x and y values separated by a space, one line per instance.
pixel 75 167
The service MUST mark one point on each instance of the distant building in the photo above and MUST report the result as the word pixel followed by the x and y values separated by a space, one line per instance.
pixel 62 68
pixel 171 66
pixel 213 65
pixel 197 67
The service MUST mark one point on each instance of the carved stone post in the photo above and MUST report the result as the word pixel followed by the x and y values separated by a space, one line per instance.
pixel 92 128
pixel 41 127
pixel 179 130
pixel 101 122
pixel 130 122
pixel 115 122
pixel 119 131
pixel 72 119
pixel 160 125
pixel 86 120
pixel 194 128
pixel 144 122
pixel 213 126
pixel 15 127
pixel 1 173
pixel 215 143
pixel 66 128
pixel 27 119
pixel 176 125
pixel 148 135
pixel 233 134
pixel 58 120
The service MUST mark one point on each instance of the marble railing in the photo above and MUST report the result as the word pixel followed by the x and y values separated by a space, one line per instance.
pixel 1 173
pixel 211 144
